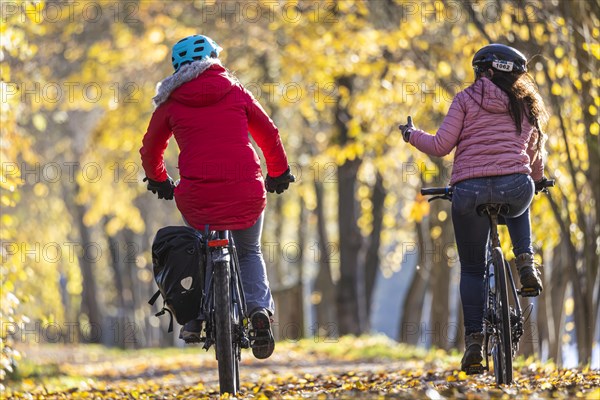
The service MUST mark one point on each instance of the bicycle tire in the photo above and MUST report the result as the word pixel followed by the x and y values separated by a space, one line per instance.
pixel 226 357
pixel 236 321
pixel 503 368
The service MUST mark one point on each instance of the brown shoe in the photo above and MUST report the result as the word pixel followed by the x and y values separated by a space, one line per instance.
pixel 529 275
pixel 471 361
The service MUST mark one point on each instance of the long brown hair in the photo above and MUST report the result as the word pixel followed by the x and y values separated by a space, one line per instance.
pixel 525 101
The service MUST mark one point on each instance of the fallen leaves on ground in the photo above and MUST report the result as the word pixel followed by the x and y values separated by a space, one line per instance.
pixel 297 370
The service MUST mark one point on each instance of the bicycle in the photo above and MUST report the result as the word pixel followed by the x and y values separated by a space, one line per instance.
pixel 221 304
pixel 224 309
pixel 502 323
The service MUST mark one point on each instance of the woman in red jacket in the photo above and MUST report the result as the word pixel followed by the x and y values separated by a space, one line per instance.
pixel 210 114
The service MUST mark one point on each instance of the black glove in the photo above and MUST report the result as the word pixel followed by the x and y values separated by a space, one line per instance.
pixel 407 129
pixel 164 189
pixel 541 185
pixel 280 183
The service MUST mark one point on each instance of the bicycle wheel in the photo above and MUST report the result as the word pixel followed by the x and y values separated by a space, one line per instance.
pixel 503 347
pixel 226 358
pixel 236 322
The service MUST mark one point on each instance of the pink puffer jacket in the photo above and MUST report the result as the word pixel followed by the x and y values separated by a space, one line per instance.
pixel 487 142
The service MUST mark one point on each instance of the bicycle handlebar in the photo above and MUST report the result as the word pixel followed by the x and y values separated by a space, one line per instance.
pixel 446 192
pixel 549 183
pixel 440 191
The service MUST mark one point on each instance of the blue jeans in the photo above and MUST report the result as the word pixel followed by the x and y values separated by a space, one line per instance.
pixel 472 232
pixel 252 267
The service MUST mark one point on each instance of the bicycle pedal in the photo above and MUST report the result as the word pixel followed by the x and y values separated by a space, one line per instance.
pixel 529 292
pixel 474 369
pixel 245 343
pixel 190 337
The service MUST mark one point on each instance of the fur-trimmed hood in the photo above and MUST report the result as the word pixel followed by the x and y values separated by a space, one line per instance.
pixel 206 92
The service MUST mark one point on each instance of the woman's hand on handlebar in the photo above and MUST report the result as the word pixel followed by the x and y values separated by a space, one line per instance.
pixel 164 189
pixel 543 184
pixel 280 183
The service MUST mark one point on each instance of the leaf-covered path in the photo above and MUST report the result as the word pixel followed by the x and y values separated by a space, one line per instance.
pixel 350 368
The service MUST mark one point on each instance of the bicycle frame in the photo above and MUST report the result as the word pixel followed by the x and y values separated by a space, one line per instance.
pixel 495 242
pixel 221 253
pixel 490 312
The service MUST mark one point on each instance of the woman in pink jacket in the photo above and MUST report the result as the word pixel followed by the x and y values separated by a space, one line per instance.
pixel 210 114
pixel 495 126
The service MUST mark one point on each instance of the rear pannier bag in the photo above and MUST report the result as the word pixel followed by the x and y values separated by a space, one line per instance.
pixel 178 258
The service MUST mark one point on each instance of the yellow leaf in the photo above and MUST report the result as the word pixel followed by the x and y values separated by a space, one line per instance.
pixel 444 69
pixel 39 122
pixel 556 89
pixel 559 52
pixel 419 209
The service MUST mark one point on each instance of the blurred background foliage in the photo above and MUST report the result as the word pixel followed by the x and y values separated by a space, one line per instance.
pixel 77 79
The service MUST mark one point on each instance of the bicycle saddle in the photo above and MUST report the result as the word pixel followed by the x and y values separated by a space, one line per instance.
pixel 492 208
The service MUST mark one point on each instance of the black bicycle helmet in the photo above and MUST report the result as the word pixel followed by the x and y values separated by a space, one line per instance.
pixel 500 57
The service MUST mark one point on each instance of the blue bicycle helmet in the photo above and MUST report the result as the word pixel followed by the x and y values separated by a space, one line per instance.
pixel 193 48
pixel 500 57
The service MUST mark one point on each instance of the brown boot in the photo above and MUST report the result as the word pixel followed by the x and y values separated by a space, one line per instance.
pixel 530 277
pixel 471 361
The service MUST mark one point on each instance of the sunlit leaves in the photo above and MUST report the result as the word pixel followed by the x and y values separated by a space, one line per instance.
pixel 366 367
pixel 420 209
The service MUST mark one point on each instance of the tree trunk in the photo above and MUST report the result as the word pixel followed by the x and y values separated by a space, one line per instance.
pixel 550 307
pixel 324 289
pixel 528 343
pixel 372 254
pixel 89 295
pixel 156 335
pixel 275 251
pixel 131 322
pixel 348 302
pixel 300 268
pixel 289 314
pixel 559 280
pixel 410 324
pixel 543 325
pixel 289 299
pixel 117 269
pixel 434 255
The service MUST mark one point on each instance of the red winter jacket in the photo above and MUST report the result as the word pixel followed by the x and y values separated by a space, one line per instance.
pixel 221 180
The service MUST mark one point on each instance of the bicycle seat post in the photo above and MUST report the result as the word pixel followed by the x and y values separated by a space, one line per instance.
pixel 492 211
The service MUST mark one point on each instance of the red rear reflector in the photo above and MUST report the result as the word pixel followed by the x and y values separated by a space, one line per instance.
pixel 218 243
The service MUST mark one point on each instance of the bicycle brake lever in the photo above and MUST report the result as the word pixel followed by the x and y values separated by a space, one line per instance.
pixel 443 197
